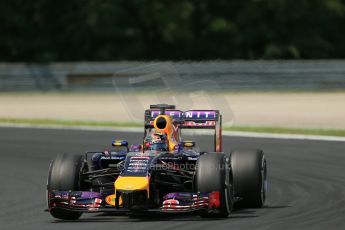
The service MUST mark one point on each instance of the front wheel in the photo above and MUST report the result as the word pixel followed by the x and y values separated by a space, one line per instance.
pixel 213 174
pixel 249 169
pixel 63 175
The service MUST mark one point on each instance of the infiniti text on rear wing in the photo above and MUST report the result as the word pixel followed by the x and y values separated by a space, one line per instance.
pixel 204 119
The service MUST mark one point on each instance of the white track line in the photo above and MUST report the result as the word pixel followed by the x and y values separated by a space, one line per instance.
pixel 139 130
pixel 283 136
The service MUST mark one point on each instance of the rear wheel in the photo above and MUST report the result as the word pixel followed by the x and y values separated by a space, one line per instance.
pixel 249 169
pixel 213 175
pixel 63 175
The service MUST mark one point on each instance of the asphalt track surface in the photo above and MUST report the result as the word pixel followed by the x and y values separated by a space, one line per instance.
pixel 306 183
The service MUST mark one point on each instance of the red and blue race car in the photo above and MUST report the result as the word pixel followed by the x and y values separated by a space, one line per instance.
pixel 163 173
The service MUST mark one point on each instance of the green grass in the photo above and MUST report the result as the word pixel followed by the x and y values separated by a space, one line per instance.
pixel 114 124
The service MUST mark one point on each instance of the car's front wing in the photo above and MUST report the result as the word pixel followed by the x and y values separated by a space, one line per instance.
pixel 178 202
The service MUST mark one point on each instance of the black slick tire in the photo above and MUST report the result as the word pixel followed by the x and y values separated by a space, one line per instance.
pixel 64 176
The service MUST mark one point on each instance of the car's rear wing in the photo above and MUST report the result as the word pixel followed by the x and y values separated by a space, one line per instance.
pixel 191 119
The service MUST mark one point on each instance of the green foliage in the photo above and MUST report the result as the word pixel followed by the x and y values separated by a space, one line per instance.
pixel 99 30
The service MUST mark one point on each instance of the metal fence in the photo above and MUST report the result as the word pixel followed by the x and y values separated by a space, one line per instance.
pixel 213 75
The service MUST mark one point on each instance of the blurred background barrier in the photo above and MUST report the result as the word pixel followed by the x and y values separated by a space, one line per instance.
pixel 318 75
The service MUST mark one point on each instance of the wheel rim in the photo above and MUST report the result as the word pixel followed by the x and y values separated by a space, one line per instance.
pixel 228 187
pixel 264 183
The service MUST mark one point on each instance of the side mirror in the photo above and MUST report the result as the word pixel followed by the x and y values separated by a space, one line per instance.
pixel 120 145
pixel 188 144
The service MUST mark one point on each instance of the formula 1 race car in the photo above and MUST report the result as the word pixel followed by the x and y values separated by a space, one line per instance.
pixel 164 173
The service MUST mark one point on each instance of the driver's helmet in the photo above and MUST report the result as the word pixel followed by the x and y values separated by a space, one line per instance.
pixel 158 141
